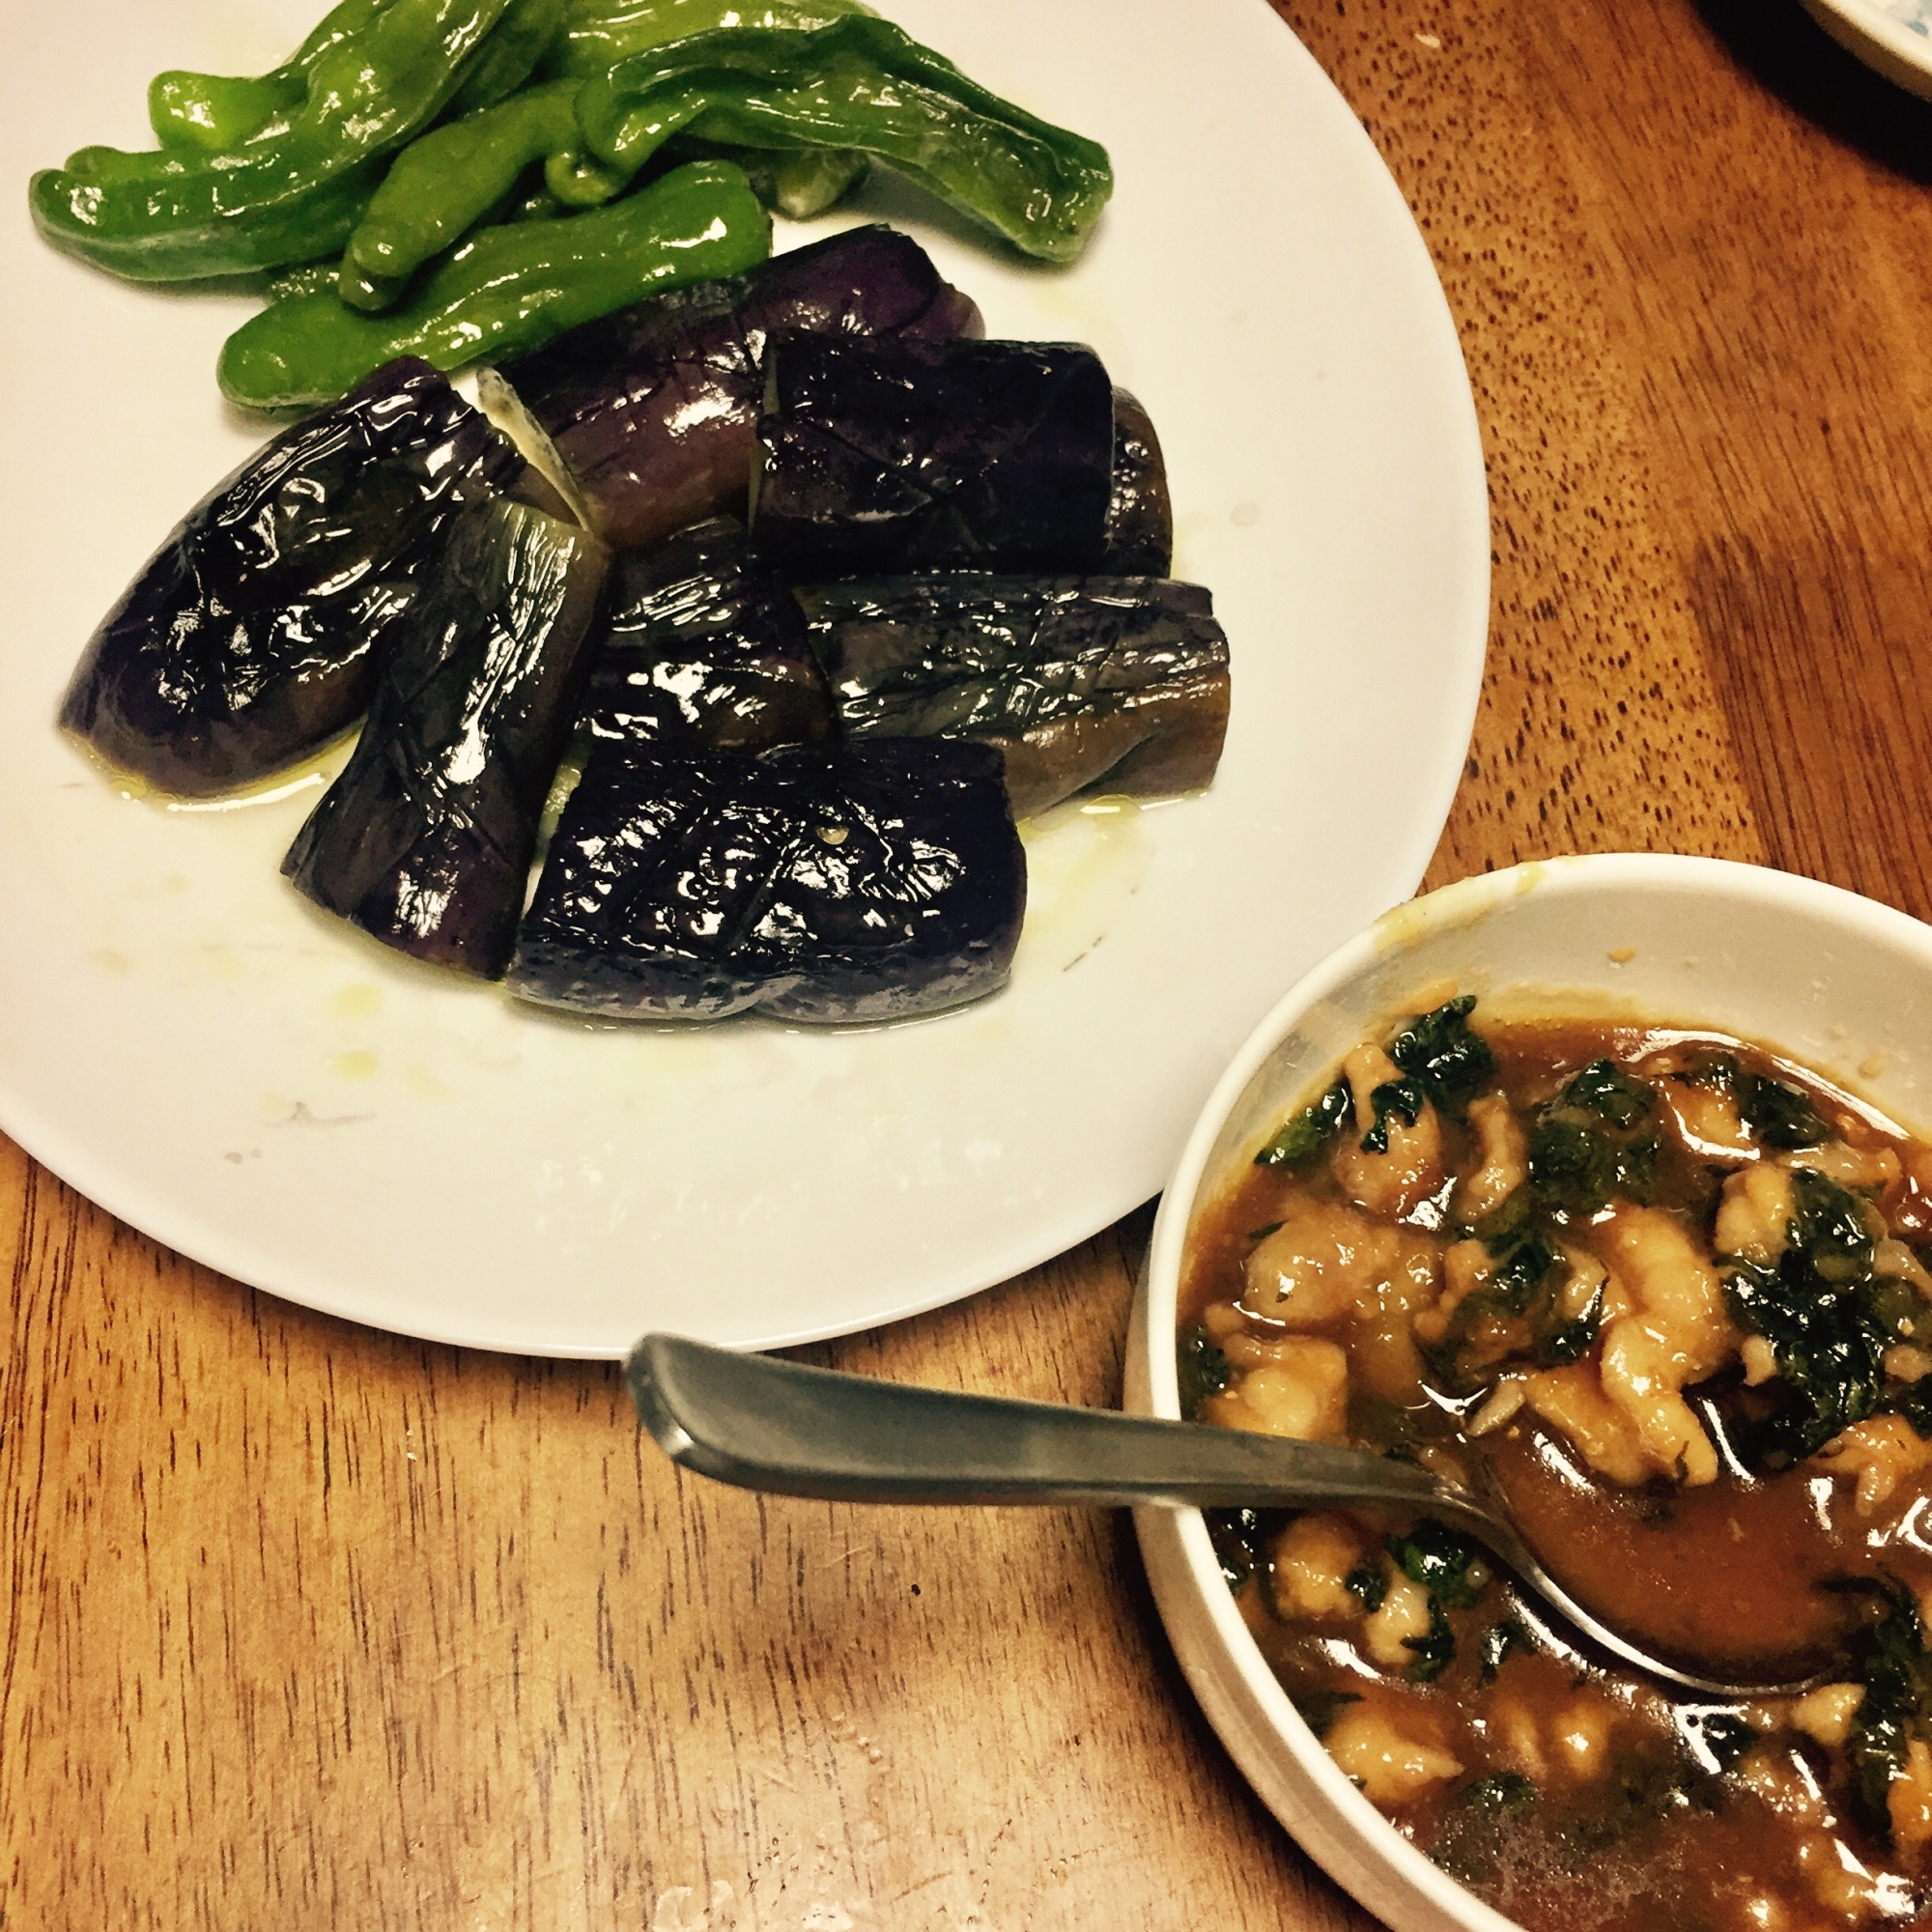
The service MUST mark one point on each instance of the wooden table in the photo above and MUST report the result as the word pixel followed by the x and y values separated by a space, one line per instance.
pixel 311 1627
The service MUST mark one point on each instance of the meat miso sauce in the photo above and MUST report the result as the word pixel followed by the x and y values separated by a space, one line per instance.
pixel 1669 1294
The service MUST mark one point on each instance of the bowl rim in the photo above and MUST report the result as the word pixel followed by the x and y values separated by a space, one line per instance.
pixel 1154 1368
pixel 1886 45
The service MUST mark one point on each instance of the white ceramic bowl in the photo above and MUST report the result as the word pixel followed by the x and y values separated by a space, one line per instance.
pixel 1891 37
pixel 1833 981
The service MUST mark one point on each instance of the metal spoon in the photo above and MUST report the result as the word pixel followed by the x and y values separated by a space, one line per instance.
pixel 769 1424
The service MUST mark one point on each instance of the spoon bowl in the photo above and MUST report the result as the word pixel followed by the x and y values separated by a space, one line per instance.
pixel 777 1425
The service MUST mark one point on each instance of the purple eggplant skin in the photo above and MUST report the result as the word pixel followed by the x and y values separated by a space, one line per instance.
pixel 826 884
pixel 1139 513
pixel 883 457
pixel 425 840
pixel 1117 684
pixel 254 632
pixel 650 409
pixel 704 648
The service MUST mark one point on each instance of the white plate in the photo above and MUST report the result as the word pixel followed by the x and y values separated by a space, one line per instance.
pixel 1893 37
pixel 186 1042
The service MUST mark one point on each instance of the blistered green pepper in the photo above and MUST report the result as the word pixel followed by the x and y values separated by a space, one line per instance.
pixel 858 83
pixel 516 43
pixel 816 100
pixel 218 112
pixel 597 34
pixel 508 289
pixel 444 183
pixel 293 192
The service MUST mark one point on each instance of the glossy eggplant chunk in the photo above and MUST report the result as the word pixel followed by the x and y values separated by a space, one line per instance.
pixel 425 840
pixel 1139 513
pixel 704 650
pixel 846 884
pixel 650 410
pixel 254 632
pixel 1119 683
pixel 895 455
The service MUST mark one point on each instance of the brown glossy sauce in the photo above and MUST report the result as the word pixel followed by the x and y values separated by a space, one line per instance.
pixel 1574 1796
pixel 1723 1579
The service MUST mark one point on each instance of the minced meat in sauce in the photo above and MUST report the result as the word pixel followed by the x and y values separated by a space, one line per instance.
pixel 1669 1295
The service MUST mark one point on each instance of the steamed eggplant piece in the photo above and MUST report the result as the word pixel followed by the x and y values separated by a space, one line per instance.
pixel 1119 683
pixel 882 457
pixel 847 884
pixel 649 412
pixel 425 840
pixel 1140 514
pixel 254 632
pixel 704 649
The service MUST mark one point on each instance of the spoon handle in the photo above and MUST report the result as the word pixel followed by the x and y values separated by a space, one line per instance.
pixel 799 1431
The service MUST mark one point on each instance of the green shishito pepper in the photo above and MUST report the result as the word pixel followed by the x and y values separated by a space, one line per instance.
pixel 508 289
pixel 510 56
pixel 218 112
pixel 293 191
pixel 446 181
pixel 853 86
pixel 859 83
pixel 441 185
pixel 597 34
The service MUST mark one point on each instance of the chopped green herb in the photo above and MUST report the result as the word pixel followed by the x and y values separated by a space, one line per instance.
pixel 1914 1402
pixel 1304 1136
pixel 1499 1641
pixel 1496 1226
pixel 1441 1049
pixel 1320 1708
pixel 1829 1321
pixel 1434 1648
pixel 1831 1228
pixel 1502 1791
pixel 1604 1088
pixel 1266 1228
pixel 1896 1708
pixel 1482 1821
pixel 1780 1115
pixel 1830 1353
pixel 1524 1262
pixel 1438 1558
pixel 1367 1582
pixel 1717 1738
pixel 1524 1289
pixel 1203 1371
pixel 1717 1072
pixel 1567 1341
pixel 1895 1306
pixel 1241 1538
pixel 1595 1140
pixel 1405 1100
pixel 1643 1790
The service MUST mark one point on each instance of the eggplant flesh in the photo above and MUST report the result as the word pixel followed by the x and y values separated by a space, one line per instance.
pixel 254 632
pixel 836 885
pixel 425 839
pixel 1115 683
pixel 649 412
pixel 1139 513
pixel 900 456
pixel 704 649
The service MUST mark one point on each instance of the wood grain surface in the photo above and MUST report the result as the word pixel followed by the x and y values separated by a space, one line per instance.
pixel 311 1627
